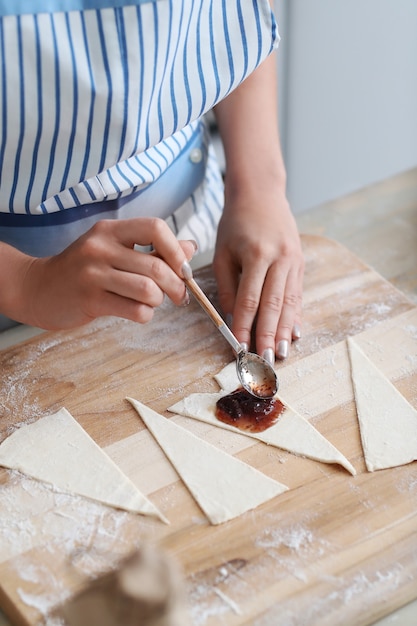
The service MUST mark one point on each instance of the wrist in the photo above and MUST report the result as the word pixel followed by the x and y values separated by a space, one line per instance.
pixel 255 180
pixel 256 161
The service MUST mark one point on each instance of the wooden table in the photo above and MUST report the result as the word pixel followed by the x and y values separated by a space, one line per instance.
pixel 332 545
pixel 379 224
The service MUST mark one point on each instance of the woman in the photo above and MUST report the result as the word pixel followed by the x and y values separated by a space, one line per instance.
pixel 104 149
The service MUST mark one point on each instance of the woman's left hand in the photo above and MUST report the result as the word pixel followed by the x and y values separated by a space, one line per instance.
pixel 259 267
pixel 258 260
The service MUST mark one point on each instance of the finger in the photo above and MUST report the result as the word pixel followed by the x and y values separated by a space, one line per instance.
pixel 296 331
pixel 297 326
pixel 156 233
pixel 135 287
pixel 112 304
pixel 136 271
pixel 270 310
pixel 189 247
pixel 227 279
pixel 289 324
pixel 287 319
pixel 247 302
pixel 166 271
pixel 127 271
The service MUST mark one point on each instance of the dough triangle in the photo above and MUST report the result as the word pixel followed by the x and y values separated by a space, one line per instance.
pixel 291 432
pixel 222 485
pixel 387 422
pixel 57 450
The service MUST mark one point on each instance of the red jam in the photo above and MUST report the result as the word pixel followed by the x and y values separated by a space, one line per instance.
pixel 242 410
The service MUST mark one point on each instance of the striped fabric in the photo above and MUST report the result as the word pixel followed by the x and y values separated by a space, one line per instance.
pixel 97 99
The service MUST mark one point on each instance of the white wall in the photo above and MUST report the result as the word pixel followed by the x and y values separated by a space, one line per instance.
pixel 348 94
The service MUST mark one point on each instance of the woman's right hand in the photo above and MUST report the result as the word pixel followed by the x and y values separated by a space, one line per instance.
pixel 99 274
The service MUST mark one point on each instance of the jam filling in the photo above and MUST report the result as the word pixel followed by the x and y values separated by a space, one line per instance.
pixel 242 410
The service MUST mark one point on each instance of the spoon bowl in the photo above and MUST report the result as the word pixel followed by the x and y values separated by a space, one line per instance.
pixel 255 374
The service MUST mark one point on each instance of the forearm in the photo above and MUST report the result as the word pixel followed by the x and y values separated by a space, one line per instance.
pixel 248 124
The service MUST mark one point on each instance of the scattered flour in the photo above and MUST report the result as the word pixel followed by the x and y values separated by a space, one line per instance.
pixel 295 537
pixel 319 608
pixel 411 330
pixel 77 536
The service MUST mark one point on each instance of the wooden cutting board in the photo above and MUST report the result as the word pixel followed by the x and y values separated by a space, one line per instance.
pixel 333 549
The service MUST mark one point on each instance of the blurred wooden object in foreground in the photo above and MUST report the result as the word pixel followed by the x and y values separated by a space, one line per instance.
pixel 146 589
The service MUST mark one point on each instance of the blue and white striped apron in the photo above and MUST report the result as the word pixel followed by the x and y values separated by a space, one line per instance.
pixel 102 107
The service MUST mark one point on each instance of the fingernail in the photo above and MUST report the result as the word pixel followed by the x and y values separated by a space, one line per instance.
pixel 193 241
pixel 245 346
pixel 296 331
pixel 269 356
pixel 282 349
pixel 187 272
pixel 186 299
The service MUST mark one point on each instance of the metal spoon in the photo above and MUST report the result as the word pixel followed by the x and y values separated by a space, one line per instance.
pixel 255 374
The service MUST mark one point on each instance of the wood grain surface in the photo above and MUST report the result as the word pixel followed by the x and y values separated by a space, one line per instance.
pixel 332 545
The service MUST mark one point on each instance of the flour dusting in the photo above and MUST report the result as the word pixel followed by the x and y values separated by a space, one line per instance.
pixel 411 329
pixel 326 607
pixel 74 536
pixel 295 537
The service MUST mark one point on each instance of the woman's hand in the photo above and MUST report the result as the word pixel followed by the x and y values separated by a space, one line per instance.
pixel 258 260
pixel 100 274
pixel 259 269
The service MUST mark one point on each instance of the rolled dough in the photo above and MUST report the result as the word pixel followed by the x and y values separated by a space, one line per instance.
pixel 292 432
pixel 387 422
pixel 222 485
pixel 57 450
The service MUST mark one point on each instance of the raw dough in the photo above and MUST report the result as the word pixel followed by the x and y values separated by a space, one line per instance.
pixel 222 485
pixel 57 450
pixel 388 423
pixel 291 432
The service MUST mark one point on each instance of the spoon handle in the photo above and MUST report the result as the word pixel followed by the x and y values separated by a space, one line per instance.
pixel 213 314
